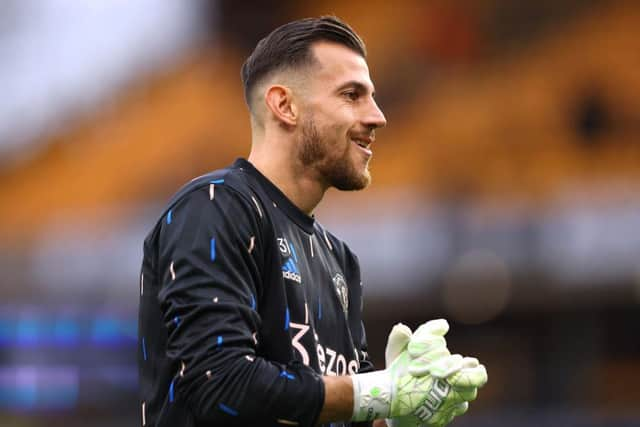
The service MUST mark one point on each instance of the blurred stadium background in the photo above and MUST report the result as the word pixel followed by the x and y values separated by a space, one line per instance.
pixel 505 193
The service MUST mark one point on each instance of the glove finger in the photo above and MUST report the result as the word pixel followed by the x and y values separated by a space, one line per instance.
pixel 422 365
pixel 467 394
pixel 419 346
pixel 445 366
pixel 470 362
pixel 438 327
pixel 469 377
pixel 450 416
pixel 460 409
pixel 397 342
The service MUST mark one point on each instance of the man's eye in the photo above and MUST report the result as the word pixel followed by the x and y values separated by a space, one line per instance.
pixel 351 95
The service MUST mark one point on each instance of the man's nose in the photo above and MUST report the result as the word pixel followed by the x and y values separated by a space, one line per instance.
pixel 375 117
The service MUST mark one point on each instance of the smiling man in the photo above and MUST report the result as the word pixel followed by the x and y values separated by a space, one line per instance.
pixel 250 310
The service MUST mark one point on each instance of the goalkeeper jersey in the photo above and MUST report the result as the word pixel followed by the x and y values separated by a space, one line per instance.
pixel 245 302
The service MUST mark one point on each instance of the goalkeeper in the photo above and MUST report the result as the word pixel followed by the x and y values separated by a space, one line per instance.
pixel 250 310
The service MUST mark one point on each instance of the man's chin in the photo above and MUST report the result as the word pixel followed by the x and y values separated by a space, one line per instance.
pixel 353 183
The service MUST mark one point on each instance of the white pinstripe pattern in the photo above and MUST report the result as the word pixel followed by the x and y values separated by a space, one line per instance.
pixel 172 271
pixel 255 202
pixel 326 239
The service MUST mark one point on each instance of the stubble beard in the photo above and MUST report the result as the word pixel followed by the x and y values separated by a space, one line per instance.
pixel 337 170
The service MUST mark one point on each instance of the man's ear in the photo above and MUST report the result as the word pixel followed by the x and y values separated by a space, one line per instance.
pixel 280 102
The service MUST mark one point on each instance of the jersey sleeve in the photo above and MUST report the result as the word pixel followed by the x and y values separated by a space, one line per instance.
pixel 211 259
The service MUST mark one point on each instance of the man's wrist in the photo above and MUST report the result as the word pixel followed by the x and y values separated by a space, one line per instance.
pixel 338 399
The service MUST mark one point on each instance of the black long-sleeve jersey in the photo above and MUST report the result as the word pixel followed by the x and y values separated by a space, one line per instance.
pixel 245 302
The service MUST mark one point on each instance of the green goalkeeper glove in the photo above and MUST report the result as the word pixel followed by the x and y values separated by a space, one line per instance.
pixel 462 379
pixel 450 399
pixel 408 382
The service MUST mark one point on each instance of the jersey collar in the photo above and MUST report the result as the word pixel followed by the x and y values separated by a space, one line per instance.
pixel 281 201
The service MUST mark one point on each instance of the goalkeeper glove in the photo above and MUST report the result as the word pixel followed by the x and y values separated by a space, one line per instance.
pixel 396 391
pixel 463 379
pixel 451 397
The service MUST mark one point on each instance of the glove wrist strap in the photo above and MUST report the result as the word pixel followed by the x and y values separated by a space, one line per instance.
pixel 371 396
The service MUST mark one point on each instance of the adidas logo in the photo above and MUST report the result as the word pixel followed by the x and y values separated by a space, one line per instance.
pixel 290 271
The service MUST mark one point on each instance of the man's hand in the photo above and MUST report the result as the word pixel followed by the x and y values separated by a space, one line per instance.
pixel 447 397
pixel 423 383
pixel 462 376
pixel 427 349
pixel 376 393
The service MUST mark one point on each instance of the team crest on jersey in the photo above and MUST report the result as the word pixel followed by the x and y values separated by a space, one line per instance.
pixel 341 289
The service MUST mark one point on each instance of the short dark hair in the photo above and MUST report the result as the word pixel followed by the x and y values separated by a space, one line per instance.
pixel 288 46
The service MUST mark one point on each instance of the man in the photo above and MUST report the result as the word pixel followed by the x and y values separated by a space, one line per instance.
pixel 250 310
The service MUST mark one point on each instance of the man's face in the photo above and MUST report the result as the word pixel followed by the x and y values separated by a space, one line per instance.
pixel 338 118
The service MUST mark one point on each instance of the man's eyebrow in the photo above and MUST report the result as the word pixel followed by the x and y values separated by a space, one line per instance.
pixel 360 87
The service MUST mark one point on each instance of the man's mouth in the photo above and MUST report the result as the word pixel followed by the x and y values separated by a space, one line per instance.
pixel 362 142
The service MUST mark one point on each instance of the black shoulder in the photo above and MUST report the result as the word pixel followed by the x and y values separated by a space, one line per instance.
pixel 229 181
pixel 229 178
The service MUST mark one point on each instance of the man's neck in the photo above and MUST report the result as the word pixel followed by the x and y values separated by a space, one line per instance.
pixel 296 182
